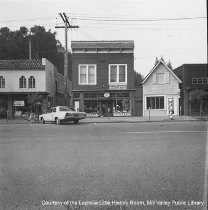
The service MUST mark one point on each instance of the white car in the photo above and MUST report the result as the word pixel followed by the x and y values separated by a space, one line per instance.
pixel 61 114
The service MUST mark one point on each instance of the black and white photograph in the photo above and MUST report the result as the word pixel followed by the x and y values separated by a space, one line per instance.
pixel 103 105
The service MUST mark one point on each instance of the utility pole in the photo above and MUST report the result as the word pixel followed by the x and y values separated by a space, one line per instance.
pixel 66 26
pixel 30 46
pixel 30 56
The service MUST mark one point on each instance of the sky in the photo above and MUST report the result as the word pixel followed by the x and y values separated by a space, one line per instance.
pixel 173 29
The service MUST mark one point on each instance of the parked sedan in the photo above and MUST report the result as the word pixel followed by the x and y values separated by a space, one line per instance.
pixel 61 114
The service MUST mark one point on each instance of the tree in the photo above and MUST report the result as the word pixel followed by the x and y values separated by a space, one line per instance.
pixel 169 65
pixel 15 45
pixel 199 97
pixel 137 79
pixel 156 61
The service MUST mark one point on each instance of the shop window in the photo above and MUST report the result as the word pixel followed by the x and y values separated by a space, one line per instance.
pixel 117 73
pixel 2 82
pixel 31 82
pixel 90 106
pixel 87 74
pixel 112 95
pixel 101 95
pixel 22 82
pixel 155 102
pixel 122 108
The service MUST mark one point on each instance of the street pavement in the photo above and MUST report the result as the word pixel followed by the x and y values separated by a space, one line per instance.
pixel 158 165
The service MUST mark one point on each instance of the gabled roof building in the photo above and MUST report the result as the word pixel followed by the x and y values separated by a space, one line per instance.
pixel 161 91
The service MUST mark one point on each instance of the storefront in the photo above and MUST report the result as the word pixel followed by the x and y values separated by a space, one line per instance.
pixel 19 105
pixel 106 104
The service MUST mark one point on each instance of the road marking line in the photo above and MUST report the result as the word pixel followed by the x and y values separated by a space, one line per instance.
pixel 164 132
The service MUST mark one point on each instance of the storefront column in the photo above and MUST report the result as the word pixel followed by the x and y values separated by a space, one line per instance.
pixel 10 108
pixel 81 105
pixel 186 102
pixel 132 101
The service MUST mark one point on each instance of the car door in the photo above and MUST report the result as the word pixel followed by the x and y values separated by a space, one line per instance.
pixel 52 114
pixel 47 116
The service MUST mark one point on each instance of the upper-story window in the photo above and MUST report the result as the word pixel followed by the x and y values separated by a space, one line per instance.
pixel 31 82
pixel 87 74
pixel 200 80
pixel 22 82
pixel 160 78
pixel 117 73
pixel 2 82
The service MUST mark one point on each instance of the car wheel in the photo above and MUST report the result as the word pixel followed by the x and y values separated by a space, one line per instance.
pixel 58 121
pixel 76 121
pixel 42 121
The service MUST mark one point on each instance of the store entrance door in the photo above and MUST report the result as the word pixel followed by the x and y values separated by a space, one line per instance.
pixel 106 107
pixel 76 105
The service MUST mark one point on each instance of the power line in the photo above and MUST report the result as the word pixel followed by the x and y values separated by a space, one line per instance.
pixel 141 20
pixel 30 19
pixel 90 37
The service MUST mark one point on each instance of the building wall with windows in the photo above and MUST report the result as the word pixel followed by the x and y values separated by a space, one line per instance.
pixel 101 64
pixel 25 82
pixel 13 80
pixel 103 77
pixel 193 76
pixel 160 91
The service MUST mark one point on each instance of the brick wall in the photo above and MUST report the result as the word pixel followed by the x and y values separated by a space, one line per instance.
pixel 102 60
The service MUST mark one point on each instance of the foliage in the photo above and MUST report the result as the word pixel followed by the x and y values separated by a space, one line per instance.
pixel 169 65
pixel 15 45
pixel 137 79
pixel 198 96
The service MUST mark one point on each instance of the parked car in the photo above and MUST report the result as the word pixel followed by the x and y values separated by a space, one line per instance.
pixel 61 114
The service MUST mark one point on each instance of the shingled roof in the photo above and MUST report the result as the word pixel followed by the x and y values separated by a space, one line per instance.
pixel 127 44
pixel 22 64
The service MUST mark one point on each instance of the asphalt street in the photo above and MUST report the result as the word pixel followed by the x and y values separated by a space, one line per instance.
pixel 118 165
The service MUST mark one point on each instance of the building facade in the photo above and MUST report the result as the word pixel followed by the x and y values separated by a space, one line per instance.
pixel 30 84
pixel 193 76
pixel 161 91
pixel 103 77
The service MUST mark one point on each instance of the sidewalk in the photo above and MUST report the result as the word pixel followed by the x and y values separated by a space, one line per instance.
pixel 117 120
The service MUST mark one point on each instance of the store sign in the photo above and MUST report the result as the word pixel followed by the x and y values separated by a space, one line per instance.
pixel 117 87
pixel 19 103
pixel 106 95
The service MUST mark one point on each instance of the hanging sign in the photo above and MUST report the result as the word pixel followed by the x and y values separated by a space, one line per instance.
pixel 106 95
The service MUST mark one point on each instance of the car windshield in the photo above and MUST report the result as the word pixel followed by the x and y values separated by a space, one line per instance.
pixel 64 108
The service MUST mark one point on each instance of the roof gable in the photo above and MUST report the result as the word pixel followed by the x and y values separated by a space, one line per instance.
pixel 21 64
pixel 155 67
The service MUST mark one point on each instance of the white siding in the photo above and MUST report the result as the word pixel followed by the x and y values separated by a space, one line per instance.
pixel 12 80
pixel 169 89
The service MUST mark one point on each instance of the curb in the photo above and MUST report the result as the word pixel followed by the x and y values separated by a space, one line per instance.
pixel 109 121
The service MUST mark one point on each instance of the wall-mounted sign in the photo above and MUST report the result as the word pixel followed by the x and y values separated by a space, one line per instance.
pixel 117 87
pixel 106 95
pixel 19 103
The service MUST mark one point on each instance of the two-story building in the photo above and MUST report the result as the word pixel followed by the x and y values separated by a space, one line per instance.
pixel 161 91
pixel 22 81
pixel 193 76
pixel 103 77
